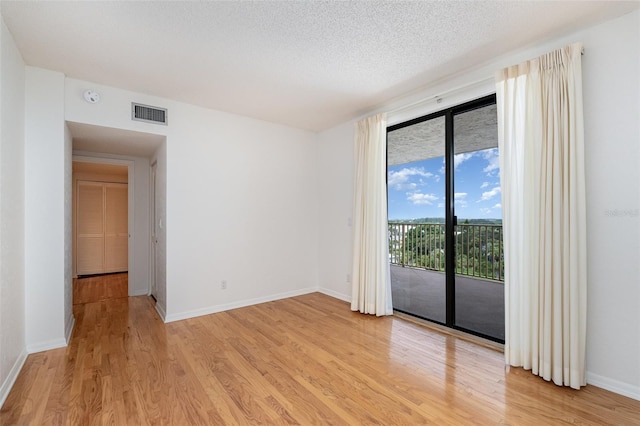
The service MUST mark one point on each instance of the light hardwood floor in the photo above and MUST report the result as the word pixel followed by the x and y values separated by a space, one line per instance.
pixel 304 360
pixel 100 287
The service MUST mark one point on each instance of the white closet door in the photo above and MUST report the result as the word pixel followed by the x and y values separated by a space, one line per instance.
pixel 116 227
pixel 90 228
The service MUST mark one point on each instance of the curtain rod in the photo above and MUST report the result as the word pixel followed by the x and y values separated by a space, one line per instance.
pixel 442 94
pixel 449 92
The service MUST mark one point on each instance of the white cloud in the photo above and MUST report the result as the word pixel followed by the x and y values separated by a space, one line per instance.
pixel 459 198
pixel 490 194
pixel 461 158
pixel 399 180
pixel 419 198
pixel 497 206
pixel 457 160
pixel 493 160
pixel 484 185
pixel 407 186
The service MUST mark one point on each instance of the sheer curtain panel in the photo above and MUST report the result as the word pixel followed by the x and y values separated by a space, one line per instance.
pixel 541 141
pixel 371 285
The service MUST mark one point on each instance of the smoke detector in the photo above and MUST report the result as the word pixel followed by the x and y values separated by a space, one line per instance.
pixel 91 96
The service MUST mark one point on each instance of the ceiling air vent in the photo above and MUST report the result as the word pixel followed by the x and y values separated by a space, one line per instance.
pixel 148 114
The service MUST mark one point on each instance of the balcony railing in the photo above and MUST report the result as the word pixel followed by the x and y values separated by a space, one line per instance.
pixel 479 249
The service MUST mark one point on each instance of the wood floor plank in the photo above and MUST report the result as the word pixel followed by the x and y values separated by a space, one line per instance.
pixel 305 360
pixel 100 287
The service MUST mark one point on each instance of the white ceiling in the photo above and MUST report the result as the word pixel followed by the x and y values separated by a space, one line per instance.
pixel 306 64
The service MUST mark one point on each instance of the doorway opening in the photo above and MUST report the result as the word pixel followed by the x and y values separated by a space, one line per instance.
pixel 100 223
pixel 104 146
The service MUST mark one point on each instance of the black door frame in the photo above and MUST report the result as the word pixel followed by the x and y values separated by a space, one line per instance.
pixel 450 216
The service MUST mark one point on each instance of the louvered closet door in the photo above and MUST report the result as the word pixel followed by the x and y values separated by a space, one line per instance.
pixel 116 227
pixel 90 228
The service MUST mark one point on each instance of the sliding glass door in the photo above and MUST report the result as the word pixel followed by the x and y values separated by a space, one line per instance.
pixel 416 191
pixel 445 221
pixel 479 271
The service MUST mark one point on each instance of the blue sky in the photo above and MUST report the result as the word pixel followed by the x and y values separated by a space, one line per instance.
pixel 417 189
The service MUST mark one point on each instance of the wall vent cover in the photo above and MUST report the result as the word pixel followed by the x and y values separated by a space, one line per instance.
pixel 148 114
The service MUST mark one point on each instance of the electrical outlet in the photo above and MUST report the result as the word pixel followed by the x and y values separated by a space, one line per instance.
pixel 348 278
pixel 223 284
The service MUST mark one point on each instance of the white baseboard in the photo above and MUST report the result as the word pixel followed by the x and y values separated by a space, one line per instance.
pixel 234 305
pixel 46 346
pixel 6 386
pixel 332 293
pixel 69 330
pixel 161 312
pixel 139 292
pixel 615 386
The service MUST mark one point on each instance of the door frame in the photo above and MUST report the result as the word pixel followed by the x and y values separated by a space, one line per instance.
pixel 153 275
pixel 450 217
pixel 87 158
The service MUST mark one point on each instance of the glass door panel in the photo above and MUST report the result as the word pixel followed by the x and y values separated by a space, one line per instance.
pixel 416 207
pixel 479 272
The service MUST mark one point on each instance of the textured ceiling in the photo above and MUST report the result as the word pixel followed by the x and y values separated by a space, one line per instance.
pixel 309 65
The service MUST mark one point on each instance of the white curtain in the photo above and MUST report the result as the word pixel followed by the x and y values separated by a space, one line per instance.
pixel 371 285
pixel 541 141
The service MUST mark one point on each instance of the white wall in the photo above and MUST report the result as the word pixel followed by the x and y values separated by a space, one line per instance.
pixel 335 192
pixel 12 320
pixel 45 210
pixel 241 207
pixel 160 206
pixel 139 276
pixel 69 320
pixel 241 201
pixel 612 136
pixel 611 75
